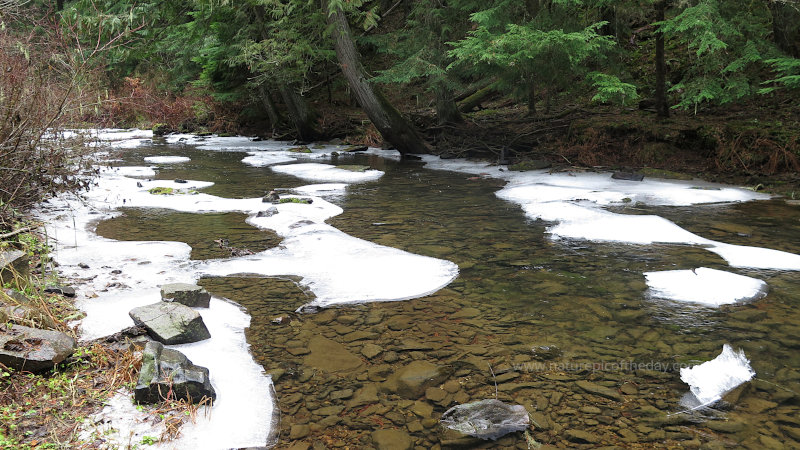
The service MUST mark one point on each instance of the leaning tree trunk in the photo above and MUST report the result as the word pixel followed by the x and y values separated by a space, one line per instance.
pixel 662 109
pixel 299 114
pixel 785 27
pixel 275 118
pixel 390 123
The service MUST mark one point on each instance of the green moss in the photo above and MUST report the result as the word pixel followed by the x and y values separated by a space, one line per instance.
pixel 353 167
pixel 300 150
pixel 161 191
pixel 295 200
pixel 536 164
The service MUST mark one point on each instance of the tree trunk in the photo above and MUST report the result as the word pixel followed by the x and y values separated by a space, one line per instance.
pixel 471 102
pixel 275 118
pixel 662 109
pixel 299 114
pixel 394 128
pixel 785 28
pixel 446 108
pixel 532 98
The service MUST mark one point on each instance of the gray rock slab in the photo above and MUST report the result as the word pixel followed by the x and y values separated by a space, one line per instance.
pixel 412 380
pixel 186 294
pixel 171 323
pixel 486 419
pixel 33 350
pixel 168 373
pixel 14 268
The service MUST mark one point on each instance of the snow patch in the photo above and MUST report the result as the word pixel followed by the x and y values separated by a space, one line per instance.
pixel 166 159
pixel 705 286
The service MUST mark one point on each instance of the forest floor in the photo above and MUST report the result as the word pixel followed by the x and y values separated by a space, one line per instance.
pixel 756 144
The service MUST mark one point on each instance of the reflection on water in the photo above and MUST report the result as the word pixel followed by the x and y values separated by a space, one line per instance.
pixel 517 290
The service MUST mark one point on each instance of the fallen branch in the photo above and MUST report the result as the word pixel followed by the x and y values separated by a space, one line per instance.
pixel 19 231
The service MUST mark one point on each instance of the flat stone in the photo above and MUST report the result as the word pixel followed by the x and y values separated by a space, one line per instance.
pixel 725 426
pixel 343 394
pixel 186 294
pixel 597 389
pixel 422 409
pixel 580 436
pixel 392 440
pixel 171 323
pixel 371 350
pixel 486 419
pixel 399 323
pixel 66 291
pixel 299 431
pixel 33 350
pixel 329 410
pixel 466 313
pixel 364 396
pixel 330 356
pixel 169 372
pixel 435 394
pixel 14 268
pixel 411 380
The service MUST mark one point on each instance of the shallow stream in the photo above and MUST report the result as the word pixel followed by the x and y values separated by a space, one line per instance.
pixel 529 319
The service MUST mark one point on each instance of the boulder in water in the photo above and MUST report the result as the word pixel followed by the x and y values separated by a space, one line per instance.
pixel 171 323
pixel 486 419
pixel 169 374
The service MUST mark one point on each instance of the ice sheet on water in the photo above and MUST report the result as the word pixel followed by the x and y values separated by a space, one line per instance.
pixel 322 189
pixel 123 275
pixel 343 269
pixel 263 159
pixel 710 381
pixel 166 159
pixel 705 286
pixel 576 202
pixel 327 172
pixel 130 171
pixel 236 378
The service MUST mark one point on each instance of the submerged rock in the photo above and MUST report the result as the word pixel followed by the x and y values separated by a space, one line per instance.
pixel 412 380
pixel 331 356
pixel 33 350
pixel 486 419
pixel 185 294
pixel 171 323
pixel 392 440
pixel 168 373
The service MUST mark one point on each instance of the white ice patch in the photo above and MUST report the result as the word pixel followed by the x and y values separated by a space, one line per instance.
pixel 576 202
pixel 706 286
pixel 710 381
pixel 322 189
pixel 166 159
pixel 131 171
pixel 264 159
pixel 232 371
pixel 340 268
pixel 124 275
pixel 327 172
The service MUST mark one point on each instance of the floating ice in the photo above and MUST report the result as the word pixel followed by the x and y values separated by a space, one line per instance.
pixel 264 159
pixel 115 277
pixel 322 189
pixel 327 172
pixel 710 381
pixel 166 159
pixel 706 286
pixel 576 203
pixel 340 268
pixel 131 171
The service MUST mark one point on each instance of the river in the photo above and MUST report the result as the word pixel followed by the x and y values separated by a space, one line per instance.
pixel 559 321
